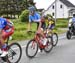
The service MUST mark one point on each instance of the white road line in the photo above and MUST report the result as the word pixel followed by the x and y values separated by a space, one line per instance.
pixel 59 38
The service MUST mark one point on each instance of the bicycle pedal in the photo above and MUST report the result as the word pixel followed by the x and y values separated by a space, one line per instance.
pixel 41 50
pixel 4 58
pixel 0 54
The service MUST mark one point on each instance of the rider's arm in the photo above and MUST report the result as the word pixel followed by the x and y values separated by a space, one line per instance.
pixel 38 20
pixel 39 25
pixel 9 23
pixel 29 24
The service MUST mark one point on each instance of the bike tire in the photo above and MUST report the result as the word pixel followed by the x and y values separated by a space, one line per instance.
pixel 31 56
pixel 56 41
pixel 68 35
pixel 9 47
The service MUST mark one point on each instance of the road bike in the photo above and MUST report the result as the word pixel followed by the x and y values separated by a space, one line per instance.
pixel 14 52
pixel 37 43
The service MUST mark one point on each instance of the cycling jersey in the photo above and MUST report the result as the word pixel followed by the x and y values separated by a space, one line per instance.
pixel 73 19
pixel 6 27
pixel 3 22
pixel 35 18
pixel 51 24
pixel 9 25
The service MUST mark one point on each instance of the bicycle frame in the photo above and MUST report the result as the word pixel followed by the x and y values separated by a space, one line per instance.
pixel 38 40
pixel 13 53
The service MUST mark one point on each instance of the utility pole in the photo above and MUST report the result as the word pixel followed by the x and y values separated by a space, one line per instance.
pixel 55 11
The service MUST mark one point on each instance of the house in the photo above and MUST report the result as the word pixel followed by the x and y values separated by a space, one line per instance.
pixel 63 9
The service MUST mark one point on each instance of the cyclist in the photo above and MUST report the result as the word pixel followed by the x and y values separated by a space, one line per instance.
pixel 35 17
pixel 51 24
pixel 6 30
pixel 73 18
pixel 73 22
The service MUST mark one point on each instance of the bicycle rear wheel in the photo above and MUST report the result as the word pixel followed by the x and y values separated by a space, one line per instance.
pixel 14 53
pixel 55 39
pixel 49 45
pixel 31 48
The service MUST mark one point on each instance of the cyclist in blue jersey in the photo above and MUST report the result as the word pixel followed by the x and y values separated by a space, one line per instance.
pixel 73 22
pixel 35 17
pixel 73 18
pixel 6 30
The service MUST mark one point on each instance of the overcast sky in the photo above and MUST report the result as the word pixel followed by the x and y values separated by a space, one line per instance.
pixel 45 3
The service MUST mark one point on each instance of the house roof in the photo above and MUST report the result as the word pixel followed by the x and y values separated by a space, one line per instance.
pixel 67 3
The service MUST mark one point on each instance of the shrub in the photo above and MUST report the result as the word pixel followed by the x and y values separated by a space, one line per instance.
pixel 24 16
pixel 48 15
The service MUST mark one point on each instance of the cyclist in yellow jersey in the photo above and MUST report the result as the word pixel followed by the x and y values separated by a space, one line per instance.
pixel 51 24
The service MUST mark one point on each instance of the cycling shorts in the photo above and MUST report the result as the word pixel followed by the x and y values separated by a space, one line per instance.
pixel 7 33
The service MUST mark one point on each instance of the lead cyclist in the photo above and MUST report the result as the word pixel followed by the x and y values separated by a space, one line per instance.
pixel 6 30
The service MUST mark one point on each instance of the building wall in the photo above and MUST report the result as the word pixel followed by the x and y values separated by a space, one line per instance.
pixel 61 12
pixel 71 11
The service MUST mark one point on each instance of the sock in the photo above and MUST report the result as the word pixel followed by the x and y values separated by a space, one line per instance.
pixel 4 47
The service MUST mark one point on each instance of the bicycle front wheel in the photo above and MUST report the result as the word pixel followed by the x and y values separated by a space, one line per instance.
pixel 31 48
pixel 14 53
pixel 55 39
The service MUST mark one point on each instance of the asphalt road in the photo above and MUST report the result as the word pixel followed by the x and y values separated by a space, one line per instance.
pixel 64 52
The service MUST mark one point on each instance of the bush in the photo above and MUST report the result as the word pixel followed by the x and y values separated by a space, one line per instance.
pixel 48 15
pixel 24 16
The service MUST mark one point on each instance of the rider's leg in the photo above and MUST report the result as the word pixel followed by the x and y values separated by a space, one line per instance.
pixel 51 30
pixel 4 46
pixel 37 25
pixel 44 37
pixel 1 43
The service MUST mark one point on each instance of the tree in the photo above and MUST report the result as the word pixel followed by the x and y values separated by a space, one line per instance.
pixel 14 7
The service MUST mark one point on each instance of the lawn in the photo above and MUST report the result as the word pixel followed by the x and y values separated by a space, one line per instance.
pixel 21 29
pixel 62 23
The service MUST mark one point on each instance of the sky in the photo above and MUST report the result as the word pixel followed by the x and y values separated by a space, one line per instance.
pixel 45 3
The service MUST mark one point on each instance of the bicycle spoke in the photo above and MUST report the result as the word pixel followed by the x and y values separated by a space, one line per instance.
pixel 14 53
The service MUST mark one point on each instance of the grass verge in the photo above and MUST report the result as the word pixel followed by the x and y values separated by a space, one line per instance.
pixel 21 29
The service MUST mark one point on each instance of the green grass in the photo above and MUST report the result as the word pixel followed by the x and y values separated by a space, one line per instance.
pixel 62 23
pixel 21 29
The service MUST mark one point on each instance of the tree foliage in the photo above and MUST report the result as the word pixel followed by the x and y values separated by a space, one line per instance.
pixel 24 16
pixel 14 6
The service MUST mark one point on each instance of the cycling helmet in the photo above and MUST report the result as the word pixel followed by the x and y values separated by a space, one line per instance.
pixel 31 8
pixel 49 18
pixel 73 15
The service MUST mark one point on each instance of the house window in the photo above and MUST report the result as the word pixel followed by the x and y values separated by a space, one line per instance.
pixel 60 6
pixel 53 7
pixel 53 14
